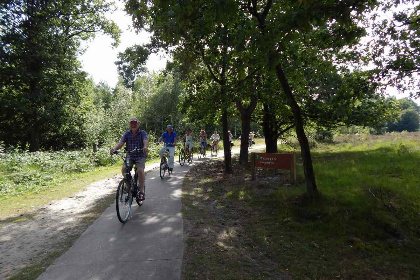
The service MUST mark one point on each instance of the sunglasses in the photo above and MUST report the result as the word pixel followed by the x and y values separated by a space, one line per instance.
pixel 133 122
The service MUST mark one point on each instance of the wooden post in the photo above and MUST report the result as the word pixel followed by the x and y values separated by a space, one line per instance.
pixel 293 169
pixel 253 173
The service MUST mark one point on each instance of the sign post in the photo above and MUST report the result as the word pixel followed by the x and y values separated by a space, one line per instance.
pixel 276 161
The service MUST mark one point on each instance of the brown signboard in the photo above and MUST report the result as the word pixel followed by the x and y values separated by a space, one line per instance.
pixel 277 161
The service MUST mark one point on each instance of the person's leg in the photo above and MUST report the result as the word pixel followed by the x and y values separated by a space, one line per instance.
pixel 171 156
pixel 141 164
pixel 161 152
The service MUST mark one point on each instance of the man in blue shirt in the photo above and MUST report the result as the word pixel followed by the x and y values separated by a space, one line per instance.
pixel 135 138
pixel 169 138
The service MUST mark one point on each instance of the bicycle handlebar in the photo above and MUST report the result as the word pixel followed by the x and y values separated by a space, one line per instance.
pixel 116 152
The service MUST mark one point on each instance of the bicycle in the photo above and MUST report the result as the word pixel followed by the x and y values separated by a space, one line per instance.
pixel 202 151
pixel 164 166
pixel 127 189
pixel 214 148
pixel 181 157
pixel 188 155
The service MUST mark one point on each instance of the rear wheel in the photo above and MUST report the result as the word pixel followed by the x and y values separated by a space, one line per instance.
pixel 124 199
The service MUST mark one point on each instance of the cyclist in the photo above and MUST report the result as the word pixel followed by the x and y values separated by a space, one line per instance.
pixel 215 140
pixel 169 138
pixel 135 138
pixel 230 139
pixel 203 140
pixel 251 139
pixel 188 139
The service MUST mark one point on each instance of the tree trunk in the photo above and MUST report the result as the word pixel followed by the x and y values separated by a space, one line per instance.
pixel 226 144
pixel 311 187
pixel 246 114
pixel 34 138
pixel 270 131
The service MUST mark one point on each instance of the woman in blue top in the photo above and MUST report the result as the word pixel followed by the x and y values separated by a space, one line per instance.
pixel 169 138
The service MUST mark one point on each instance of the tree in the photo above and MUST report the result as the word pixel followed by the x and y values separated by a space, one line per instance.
pixel 408 118
pixel 396 45
pixel 40 75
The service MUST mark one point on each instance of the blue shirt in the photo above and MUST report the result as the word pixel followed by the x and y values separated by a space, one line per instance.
pixel 169 139
pixel 134 141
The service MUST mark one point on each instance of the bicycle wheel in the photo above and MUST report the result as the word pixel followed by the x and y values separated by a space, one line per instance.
pixel 124 199
pixel 182 157
pixel 162 169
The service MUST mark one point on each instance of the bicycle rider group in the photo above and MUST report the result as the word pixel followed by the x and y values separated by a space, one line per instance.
pixel 137 147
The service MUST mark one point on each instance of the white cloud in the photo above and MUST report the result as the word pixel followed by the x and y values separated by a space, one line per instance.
pixel 99 57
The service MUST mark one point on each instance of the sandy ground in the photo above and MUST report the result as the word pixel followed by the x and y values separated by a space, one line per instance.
pixel 42 232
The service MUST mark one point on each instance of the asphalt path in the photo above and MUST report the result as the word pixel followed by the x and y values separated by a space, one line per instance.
pixel 149 245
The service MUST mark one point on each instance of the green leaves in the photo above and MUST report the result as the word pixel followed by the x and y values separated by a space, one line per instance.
pixel 40 77
pixel 131 63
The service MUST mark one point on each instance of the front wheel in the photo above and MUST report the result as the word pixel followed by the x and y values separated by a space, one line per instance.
pixel 124 199
pixel 182 157
pixel 162 170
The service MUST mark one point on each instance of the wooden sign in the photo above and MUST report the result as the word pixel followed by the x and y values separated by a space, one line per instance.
pixel 277 161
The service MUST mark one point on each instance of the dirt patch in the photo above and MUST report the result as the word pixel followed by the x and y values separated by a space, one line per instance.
pixel 218 212
pixel 34 238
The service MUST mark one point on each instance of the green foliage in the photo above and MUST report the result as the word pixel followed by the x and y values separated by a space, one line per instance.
pixel 41 80
pixel 131 63
pixel 30 172
pixel 396 45
pixel 409 120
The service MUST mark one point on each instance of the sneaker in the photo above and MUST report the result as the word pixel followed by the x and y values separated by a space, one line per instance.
pixel 140 196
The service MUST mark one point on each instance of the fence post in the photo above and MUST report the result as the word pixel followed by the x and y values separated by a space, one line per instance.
pixel 293 169
pixel 253 167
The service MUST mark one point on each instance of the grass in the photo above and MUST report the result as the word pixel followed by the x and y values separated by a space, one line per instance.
pixel 18 205
pixel 364 225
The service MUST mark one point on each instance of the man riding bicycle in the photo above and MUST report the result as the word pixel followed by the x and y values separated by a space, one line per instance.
pixel 215 137
pixel 169 138
pixel 137 145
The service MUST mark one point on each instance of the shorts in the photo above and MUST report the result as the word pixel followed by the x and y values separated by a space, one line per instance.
pixel 140 163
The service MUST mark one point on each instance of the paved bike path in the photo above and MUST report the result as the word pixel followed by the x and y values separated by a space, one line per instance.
pixel 149 246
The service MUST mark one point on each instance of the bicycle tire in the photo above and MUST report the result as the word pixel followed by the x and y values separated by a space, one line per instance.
pixel 182 157
pixel 123 199
pixel 162 170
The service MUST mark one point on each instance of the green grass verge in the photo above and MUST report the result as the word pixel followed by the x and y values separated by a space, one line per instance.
pixel 364 225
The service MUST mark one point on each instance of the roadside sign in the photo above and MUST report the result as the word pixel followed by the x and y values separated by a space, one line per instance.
pixel 278 161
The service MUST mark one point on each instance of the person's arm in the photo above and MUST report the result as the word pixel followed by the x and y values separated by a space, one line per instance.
pixel 117 147
pixel 145 146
